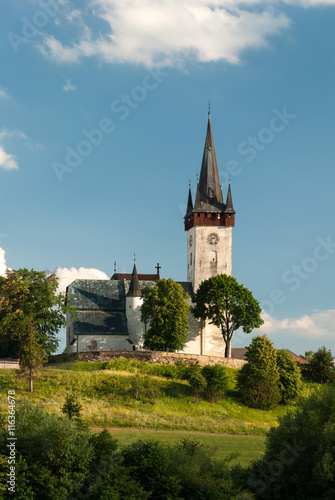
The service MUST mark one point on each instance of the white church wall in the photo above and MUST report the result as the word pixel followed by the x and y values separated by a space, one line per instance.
pixel 135 326
pixel 208 256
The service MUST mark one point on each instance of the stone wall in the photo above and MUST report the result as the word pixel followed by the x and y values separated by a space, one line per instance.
pixel 150 356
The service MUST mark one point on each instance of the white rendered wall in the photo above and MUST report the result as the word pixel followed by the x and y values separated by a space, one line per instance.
pixel 204 259
pixel 101 343
pixel 135 326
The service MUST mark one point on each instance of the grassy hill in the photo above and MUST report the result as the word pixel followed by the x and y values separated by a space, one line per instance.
pixel 136 399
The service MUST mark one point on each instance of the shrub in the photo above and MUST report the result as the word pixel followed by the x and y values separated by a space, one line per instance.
pixel 72 407
pixel 258 379
pixel 290 383
pixel 198 383
pixel 216 379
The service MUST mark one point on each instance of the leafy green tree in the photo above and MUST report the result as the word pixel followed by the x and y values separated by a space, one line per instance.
pixel 165 309
pixel 32 294
pixel 299 461
pixel 258 379
pixel 321 366
pixel 308 355
pixel 228 305
pixel 216 378
pixel 31 352
pixel 72 407
pixel 290 383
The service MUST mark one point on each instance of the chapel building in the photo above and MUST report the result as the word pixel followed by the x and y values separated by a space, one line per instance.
pixel 108 312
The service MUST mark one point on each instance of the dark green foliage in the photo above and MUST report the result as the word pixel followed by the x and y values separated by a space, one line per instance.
pixel 299 461
pixel 71 407
pixel 30 294
pixel 216 379
pixel 290 383
pixel 198 383
pixel 165 311
pixel 257 380
pixel 228 305
pixel 321 368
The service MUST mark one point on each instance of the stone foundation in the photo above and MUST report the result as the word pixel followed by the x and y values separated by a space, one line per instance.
pixel 167 358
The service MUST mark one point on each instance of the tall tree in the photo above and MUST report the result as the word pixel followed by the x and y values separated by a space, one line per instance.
pixel 30 294
pixel 165 308
pixel 31 352
pixel 321 366
pixel 228 305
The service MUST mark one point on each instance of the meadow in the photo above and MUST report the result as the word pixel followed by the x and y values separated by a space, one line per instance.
pixel 136 399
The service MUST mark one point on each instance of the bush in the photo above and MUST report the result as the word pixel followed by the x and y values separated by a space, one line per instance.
pixel 290 383
pixel 299 461
pixel 198 383
pixel 258 379
pixel 217 381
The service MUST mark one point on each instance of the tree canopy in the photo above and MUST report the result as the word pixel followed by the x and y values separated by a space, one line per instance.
pixel 165 310
pixel 228 305
pixel 30 299
pixel 321 366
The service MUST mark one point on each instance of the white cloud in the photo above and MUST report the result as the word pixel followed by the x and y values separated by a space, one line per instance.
pixel 3 93
pixel 66 276
pixel 17 134
pixel 7 161
pixel 68 86
pixel 318 324
pixel 168 32
pixel 3 266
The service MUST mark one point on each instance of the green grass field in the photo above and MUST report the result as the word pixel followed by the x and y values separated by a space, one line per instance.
pixel 136 399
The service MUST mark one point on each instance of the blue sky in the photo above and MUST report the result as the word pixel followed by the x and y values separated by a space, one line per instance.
pixel 103 114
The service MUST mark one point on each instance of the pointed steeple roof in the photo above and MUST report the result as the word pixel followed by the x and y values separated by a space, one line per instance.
pixel 189 202
pixel 209 182
pixel 229 203
pixel 134 287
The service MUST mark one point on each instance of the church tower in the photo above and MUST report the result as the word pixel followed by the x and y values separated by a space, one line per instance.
pixel 209 222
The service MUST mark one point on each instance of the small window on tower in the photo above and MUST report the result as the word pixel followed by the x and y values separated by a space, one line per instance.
pixel 190 259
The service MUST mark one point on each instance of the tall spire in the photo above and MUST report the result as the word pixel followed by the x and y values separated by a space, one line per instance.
pixel 229 203
pixel 134 287
pixel 209 182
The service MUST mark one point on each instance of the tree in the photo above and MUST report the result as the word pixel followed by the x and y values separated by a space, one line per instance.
pixel 308 355
pixel 321 366
pixel 165 308
pixel 31 352
pixel 30 294
pixel 228 305
pixel 72 407
pixel 299 460
pixel 257 380
pixel 289 382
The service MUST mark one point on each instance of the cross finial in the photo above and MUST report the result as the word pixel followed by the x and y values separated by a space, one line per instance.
pixel 158 267
pixel 134 258
pixel 114 266
pixel 209 109
pixel 189 183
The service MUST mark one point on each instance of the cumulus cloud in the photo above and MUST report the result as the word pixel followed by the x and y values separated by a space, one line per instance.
pixel 168 32
pixel 68 86
pixel 7 160
pixel 66 276
pixel 3 265
pixel 319 324
pixel 17 134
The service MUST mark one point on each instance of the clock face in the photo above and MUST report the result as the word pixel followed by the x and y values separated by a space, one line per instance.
pixel 213 238
pixel 190 241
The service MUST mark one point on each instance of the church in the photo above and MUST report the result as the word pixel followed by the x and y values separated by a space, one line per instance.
pixel 108 312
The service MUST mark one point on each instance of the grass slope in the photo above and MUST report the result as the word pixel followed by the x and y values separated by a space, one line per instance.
pixel 130 394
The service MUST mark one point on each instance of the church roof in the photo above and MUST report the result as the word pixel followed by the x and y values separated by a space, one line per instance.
pixel 134 287
pixel 229 203
pixel 101 305
pixel 208 197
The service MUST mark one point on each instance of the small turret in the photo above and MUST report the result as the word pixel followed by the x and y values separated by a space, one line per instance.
pixel 229 213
